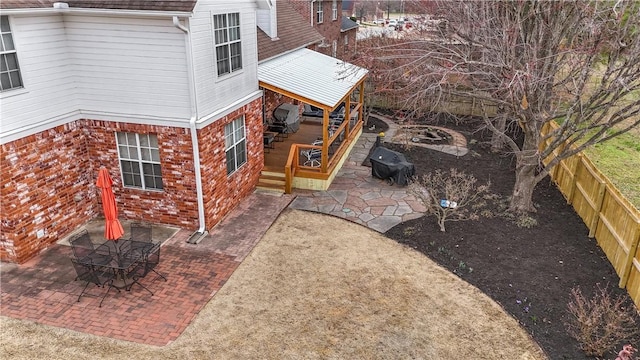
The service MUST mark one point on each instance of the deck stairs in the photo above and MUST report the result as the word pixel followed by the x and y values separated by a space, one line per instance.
pixel 271 181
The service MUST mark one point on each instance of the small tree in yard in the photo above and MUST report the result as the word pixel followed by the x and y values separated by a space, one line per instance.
pixel 601 322
pixel 452 196
pixel 576 63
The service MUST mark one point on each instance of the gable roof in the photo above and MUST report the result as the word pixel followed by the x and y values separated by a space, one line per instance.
pixel 293 33
pixel 147 5
pixel 348 24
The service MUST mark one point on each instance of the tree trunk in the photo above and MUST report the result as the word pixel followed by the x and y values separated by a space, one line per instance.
pixel 527 161
pixel 522 197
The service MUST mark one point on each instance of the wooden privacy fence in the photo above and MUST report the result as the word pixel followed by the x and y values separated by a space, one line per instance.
pixel 610 217
pixel 447 103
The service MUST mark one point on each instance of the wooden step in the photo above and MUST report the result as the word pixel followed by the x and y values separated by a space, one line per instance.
pixel 272 181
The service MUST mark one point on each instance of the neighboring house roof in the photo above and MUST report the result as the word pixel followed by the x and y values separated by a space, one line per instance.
pixel 147 5
pixel 319 78
pixel 293 33
pixel 348 24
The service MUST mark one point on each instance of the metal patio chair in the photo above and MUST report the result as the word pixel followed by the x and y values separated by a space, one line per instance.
pixel 87 252
pixel 91 275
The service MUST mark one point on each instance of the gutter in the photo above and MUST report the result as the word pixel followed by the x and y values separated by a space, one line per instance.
pixel 312 14
pixel 61 9
pixel 197 236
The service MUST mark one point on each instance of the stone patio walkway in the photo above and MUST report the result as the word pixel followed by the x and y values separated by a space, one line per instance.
pixel 355 195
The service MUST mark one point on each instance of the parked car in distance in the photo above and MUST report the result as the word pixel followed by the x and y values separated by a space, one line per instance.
pixel 393 23
pixel 379 21
pixel 400 25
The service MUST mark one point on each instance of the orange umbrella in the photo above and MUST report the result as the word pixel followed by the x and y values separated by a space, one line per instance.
pixel 112 227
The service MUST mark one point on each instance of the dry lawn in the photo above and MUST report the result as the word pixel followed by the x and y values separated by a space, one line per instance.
pixel 316 287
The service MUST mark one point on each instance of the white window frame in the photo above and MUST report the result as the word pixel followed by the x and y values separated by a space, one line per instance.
pixel 319 13
pixel 334 48
pixel 228 43
pixel 334 10
pixel 346 39
pixel 142 153
pixel 235 144
pixel 9 74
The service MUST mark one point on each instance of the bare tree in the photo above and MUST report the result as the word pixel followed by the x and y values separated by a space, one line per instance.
pixel 452 196
pixel 576 63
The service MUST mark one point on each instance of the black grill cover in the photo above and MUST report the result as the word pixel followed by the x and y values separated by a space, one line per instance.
pixel 391 165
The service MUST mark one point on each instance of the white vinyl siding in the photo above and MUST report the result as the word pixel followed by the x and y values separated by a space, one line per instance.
pixel 319 13
pixel 139 157
pixel 228 44
pixel 213 92
pixel 9 70
pixel 130 66
pixel 235 144
pixel 49 92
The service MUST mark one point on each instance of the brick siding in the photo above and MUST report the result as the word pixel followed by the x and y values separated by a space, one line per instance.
pixel 47 183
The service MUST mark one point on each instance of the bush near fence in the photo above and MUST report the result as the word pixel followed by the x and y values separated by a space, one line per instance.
pixel 610 217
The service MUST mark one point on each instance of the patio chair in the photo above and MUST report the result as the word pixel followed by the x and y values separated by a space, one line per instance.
pixel 141 234
pixel 150 260
pixel 91 275
pixel 313 156
pixel 87 252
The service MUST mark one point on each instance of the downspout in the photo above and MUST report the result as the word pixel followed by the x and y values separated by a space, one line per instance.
pixel 312 14
pixel 201 232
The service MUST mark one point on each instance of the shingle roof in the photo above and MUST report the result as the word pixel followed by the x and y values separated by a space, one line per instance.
pixel 149 5
pixel 348 24
pixel 293 33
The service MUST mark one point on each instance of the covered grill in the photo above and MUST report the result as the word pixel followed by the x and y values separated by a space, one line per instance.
pixel 391 165
pixel 286 118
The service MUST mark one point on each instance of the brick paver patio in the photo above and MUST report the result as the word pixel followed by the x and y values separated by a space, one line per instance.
pixel 44 289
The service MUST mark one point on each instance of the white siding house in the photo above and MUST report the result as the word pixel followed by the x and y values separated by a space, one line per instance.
pixel 98 82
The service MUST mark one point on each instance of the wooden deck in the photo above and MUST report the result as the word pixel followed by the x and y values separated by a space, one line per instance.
pixel 275 159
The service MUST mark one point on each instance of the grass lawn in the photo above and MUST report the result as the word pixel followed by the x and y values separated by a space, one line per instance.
pixel 619 160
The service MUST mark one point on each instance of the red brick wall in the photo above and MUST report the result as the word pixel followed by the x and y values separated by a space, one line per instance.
pixel 176 204
pixel 329 28
pixel 345 52
pixel 221 192
pixel 46 184
pixel 48 180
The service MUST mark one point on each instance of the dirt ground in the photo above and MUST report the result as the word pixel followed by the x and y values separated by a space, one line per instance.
pixel 316 287
pixel 529 271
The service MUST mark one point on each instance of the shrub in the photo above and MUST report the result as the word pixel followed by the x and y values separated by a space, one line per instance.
pixel 452 196
pixel 601 322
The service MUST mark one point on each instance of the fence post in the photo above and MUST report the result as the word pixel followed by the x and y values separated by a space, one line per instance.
pixel 629 260
pixel 599 200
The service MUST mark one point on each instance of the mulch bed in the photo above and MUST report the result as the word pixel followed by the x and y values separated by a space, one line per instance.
pixel 529 271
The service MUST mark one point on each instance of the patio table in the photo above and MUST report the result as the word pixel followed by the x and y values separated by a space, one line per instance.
pixel 129 254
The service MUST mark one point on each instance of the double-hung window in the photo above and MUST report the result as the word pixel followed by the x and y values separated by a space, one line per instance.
pixel 139 160
pixel 235 144
pixel 226 28
pixel 319 13
pixel 9 70
pixel 334 10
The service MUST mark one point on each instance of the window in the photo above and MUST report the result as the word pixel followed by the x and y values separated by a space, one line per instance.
pixel 346 40
pixel 9 69
pixel 139 160
pixel 235 144
pixel 319 13
pixel 334 48
pixel 334 10
pixel 228 45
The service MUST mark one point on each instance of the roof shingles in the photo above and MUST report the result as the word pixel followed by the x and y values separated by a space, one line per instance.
pixel 293 33
pixel 146 5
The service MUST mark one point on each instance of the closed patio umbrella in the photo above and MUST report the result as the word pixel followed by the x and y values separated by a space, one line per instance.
pixel 112 228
